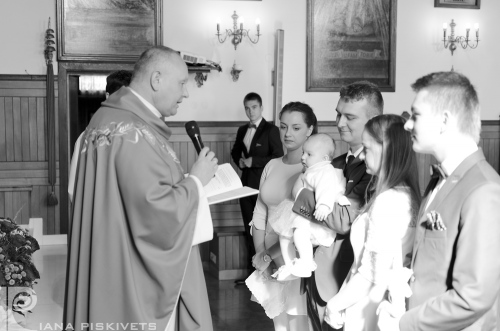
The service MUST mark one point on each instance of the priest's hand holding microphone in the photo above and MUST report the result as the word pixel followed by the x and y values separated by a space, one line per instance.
pixel 206 165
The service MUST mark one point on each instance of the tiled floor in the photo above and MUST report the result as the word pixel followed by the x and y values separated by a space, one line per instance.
pixel 230 305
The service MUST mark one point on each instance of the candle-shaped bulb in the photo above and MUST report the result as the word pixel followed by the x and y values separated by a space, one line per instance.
pixel 476 26
pixel 242 21
pixel 257 22
pixel 467 26
pixel 218 24
pixel 445 26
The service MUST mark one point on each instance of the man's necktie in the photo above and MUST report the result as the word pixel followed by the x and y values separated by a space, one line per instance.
pixel 350 158
pixel 437 171
pixel 252 126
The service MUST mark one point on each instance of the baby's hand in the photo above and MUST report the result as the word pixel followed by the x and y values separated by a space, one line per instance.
pixel 343 201
pixel 321 212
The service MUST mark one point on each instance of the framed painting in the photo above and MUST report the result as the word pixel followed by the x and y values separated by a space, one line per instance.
pixel 103 30
pixel 349 41
pixel 469 4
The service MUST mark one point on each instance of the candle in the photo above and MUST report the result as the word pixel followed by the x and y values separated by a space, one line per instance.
pixel 242 20
pixel 218 24
pixel 257 21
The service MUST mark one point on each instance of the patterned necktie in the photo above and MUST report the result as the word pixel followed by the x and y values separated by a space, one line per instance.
pixel 350 158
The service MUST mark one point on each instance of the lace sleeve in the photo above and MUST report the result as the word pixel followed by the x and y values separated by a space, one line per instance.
pixel 390 216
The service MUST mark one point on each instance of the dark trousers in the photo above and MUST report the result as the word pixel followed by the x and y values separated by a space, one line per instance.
pixel 247 205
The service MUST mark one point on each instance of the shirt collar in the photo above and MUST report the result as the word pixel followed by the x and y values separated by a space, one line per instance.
pixel 453 161
pixel 147 104
pixel 257 123
pixel 356 153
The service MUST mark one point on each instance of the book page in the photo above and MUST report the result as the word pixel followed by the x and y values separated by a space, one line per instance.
pixel 231 195
pixel 225 179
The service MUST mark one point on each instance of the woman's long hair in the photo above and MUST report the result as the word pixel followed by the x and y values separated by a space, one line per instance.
pixel 398 167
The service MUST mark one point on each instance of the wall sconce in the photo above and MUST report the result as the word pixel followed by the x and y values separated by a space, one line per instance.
pixel 237 34
pixel 235 71
pixel 463 41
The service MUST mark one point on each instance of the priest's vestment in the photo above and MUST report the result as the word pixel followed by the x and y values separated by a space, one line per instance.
pixel 130 253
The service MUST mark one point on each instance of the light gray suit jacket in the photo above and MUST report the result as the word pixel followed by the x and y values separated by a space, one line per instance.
pixel 457 271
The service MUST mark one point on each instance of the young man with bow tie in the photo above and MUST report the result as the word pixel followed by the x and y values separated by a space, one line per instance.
pixel 456 268
pixel 256 144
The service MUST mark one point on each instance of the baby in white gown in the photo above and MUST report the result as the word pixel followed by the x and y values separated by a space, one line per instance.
pixel 328 185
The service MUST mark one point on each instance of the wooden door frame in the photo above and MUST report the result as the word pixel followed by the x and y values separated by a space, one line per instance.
pixel 65 69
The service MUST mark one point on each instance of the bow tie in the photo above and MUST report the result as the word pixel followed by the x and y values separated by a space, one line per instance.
pixel 252 126
pixel 437 171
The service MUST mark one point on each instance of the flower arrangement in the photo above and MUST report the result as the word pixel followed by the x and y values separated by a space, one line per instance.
pixel 16 248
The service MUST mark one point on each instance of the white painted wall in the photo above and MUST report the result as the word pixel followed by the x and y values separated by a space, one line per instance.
pixel 190 25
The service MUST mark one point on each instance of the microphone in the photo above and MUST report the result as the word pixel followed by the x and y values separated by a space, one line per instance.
pixel 193 132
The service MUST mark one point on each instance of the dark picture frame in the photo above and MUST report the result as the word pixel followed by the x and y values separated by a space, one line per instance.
pixel 348 42
pixel 107 30
pixel 465 4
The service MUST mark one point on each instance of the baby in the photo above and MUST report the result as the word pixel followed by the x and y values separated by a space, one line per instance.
pixel 328 185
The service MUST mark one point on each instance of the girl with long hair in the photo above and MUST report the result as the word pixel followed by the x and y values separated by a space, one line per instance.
pixel 382 236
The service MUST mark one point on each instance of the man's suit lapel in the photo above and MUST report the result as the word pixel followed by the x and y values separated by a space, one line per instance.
pixel 441 195
pixel 257 134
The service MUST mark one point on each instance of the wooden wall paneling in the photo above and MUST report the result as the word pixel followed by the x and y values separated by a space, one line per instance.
pixel 229 253
pixel 9 206
pixel 2 204
pixel 40 128
pixel 33 134
pixel 26 211
pixel 16 114
pixel 3 125
pixel 35 201
pixel 243 254
pixel 236 263
pixel 9 129
pixel 44 207
pixel 57 218
pixel 221 258
pixel 50 213
pixel 25 130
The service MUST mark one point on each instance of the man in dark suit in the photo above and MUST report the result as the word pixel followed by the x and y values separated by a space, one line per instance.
pixel 256 144
pixel 358 102
pixel 455 253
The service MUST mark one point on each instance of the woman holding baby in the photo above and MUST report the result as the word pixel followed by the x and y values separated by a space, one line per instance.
pixel 281 300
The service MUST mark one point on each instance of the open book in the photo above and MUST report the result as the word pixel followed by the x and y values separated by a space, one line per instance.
pixel 226 185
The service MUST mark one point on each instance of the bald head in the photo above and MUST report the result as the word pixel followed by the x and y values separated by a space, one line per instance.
pixel 323 143
pixel 160 76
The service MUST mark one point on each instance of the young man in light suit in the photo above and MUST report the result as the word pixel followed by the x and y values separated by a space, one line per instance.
pixel 256 144
pixel 455 253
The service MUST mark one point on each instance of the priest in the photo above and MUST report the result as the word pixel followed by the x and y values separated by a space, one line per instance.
pixel 132 264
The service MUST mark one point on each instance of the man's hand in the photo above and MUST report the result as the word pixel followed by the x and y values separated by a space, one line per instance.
pixel 321 212
pixel 205 166
pixel 258 261
pixel 241 164
pixel 247 162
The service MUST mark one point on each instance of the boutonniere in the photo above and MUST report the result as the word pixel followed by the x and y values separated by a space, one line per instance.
pixel 434 221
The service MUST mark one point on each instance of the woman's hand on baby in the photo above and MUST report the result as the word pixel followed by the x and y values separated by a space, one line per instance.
pixel 321 212
pixel 258 261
